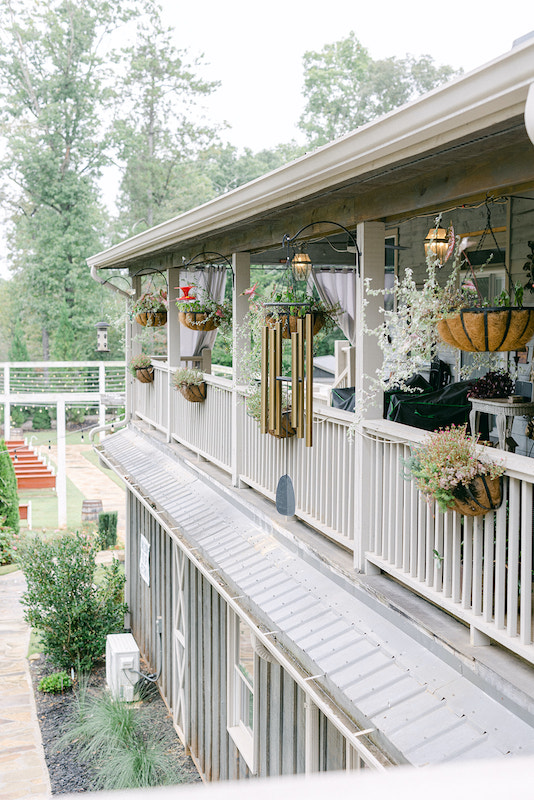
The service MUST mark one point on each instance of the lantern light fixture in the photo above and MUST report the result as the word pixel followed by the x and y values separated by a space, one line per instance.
pixel 437 243
pixel 301 265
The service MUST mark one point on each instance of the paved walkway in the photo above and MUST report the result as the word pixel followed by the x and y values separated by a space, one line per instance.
pixel 93 483
pixel 23 771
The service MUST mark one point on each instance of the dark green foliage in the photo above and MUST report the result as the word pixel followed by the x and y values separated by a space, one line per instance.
pixel 72 615
pixel 55 683
pixel 7 552
pixel 17 347
pixel 9 499
pixel 41 419
pixel 107 529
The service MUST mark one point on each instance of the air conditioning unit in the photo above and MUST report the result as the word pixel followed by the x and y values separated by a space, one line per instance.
pixel 122 665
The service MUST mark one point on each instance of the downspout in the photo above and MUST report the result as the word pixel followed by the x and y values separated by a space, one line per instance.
pixel 107 284
pixel 529 113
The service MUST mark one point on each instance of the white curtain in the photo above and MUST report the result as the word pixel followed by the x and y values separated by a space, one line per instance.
pixel 339 286
pixel 211 282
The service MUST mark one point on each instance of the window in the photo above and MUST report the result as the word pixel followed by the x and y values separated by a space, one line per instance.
pixel 241 712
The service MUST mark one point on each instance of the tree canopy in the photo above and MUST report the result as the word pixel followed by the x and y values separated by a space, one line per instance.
pixel 345 88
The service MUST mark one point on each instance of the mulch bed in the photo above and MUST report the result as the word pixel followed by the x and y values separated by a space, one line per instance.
pixel 69 771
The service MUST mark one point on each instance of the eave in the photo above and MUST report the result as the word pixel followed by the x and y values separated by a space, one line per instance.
pixel 458 123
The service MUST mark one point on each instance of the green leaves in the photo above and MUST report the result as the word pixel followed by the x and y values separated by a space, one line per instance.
pixel 345 88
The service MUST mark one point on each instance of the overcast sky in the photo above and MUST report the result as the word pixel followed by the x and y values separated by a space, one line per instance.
pixel 255 49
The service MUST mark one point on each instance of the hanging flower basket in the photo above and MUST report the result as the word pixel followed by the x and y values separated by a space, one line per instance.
pixel 289 322
pixel 151 319
pixel 194 393
pixel 502 328
pixel 198 320
pixel 287 431
pixel 483 494
pixel 144 374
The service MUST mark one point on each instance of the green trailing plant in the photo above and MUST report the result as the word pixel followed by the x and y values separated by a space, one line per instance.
pixel 140 361
pixel 445 465
pixel 55 683
pixel 154 300
pixel 107 529
pixel 187 377
pixel 200 302
pixel 72 615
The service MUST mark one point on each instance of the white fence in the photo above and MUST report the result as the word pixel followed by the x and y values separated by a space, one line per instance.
pixel 479 569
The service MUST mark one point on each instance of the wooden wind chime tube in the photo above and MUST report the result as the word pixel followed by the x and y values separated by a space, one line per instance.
pixel 309 380
pixel 264 428
pixel 271 417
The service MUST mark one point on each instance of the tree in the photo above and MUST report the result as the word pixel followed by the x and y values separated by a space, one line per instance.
pixel 17 347
pixel 9 499
pixel 345 88
pixel 156 138
pixel 52 82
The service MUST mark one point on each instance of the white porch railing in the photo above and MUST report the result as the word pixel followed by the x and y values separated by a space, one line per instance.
pixel 323 475
pixel 479 569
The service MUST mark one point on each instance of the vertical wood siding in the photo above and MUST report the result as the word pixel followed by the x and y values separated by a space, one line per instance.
pixel 280 721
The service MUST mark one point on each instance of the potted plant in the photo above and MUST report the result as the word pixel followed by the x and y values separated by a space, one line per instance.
pixel 150 310
pixel 141 368
pixel 494 385
pixel 286 307
pixel 199 312
pixel 448 467
pixel 191 384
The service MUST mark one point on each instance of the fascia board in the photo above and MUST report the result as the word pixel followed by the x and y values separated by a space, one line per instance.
pixel 487 96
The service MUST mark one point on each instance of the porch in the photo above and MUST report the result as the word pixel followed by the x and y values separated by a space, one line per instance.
pixel 369 520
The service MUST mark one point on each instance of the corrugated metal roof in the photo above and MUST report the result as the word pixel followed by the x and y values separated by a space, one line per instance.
pixel 424 707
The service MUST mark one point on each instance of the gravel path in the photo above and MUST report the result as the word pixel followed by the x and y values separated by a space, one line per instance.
pixel 69 771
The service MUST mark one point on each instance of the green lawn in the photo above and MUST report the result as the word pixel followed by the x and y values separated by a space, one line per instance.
pixel 44 507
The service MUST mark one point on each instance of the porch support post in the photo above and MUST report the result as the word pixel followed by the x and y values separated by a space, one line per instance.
pixel 370 237
pixel 240 307
pixel 173 339
pixel 133 348
pixel 61 477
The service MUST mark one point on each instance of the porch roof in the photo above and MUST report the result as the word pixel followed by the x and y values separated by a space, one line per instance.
pixel 421 709
pixel 461 140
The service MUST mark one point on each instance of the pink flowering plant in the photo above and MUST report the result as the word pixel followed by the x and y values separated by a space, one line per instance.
pixel 199 301
pixel 445 465
pixel 153 300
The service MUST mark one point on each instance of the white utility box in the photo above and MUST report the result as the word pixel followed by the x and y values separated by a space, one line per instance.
pixel 122 665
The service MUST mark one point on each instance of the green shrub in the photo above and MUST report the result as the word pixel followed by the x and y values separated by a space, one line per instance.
pixel 121 748
pixel 71 613
pixel 55 683
pixel 7 546
pixel 9 499
pixel 107 529
pixel 41 420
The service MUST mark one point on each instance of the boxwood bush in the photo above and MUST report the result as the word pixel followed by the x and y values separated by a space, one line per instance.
pixel 72 615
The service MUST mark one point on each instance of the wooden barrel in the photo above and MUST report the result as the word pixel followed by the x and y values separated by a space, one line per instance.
pixel 91 509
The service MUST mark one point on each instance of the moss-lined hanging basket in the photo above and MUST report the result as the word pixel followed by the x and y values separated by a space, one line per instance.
pixel 151 319
pixel 484 494
pixel 289 322
pixel 198 320
pixel 144 374
pixel 194 392
pixel 479 330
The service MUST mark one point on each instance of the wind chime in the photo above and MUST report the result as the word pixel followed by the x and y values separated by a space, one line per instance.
pixel 273 418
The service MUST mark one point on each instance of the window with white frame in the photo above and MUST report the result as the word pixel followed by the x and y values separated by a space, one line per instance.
pixel 241 711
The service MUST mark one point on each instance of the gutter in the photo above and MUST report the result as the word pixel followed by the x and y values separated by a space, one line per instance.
pixel 489 95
